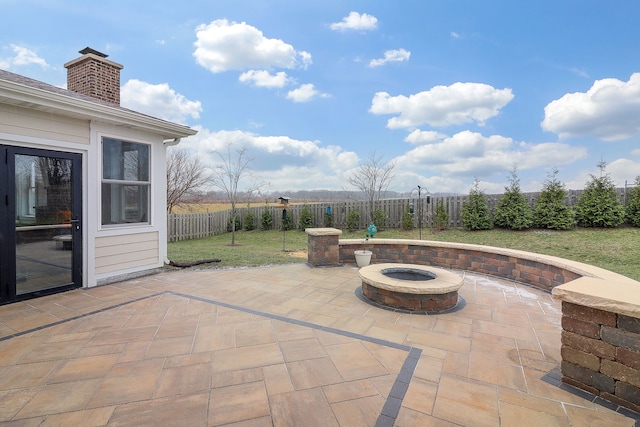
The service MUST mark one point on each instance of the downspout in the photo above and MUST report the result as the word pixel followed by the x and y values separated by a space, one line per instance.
pixel 169 143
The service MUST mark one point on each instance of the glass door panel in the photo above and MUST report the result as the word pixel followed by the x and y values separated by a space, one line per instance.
pixel 43 222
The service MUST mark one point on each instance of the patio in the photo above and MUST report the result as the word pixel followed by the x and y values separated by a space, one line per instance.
pixel 286 346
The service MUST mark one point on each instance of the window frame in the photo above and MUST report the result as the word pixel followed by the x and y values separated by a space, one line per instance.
pixel 139 184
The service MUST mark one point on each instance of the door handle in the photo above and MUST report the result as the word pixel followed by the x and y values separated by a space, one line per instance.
pixel 76 222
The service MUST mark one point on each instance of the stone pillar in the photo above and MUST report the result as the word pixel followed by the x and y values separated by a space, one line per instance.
pixel 601 353
pixel 323 247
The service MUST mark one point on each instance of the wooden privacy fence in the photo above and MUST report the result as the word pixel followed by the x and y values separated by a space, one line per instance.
pixel 195 226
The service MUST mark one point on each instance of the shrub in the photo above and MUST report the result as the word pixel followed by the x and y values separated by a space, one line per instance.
pixel 287 221
pixel 512 211
pixel 306 218
pixel 550 211
pixel 230 224
pixel 441 219
pixel 407 219
pixel 327 220
pixel 379 219
pixel 598 205
pixel 633 204
pixel 249 221
pixel 353 220
pixel 266 219
pixel 475 212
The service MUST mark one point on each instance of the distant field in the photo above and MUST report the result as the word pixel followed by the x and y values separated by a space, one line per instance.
pixel 212 207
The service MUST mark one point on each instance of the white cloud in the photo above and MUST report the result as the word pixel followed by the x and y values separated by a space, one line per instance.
pixel 419 137
pixel 622 170
pixel 285 162
pixel 455 35
pixel 223 45
pixel 22 56
pixel 158 101
pixel 442 105
pixel 472 154
pixel 397 55
pixel 609 110
pixel 262 78
pixel 294 150
pixel 447 165
pixel 305 93
pixel 356 21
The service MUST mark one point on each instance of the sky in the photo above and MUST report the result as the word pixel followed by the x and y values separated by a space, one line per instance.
pixel 450 91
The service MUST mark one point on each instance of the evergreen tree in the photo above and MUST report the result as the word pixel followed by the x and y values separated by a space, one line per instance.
pixel 633 205
pixel 249 221
pixel 287 221
pixel 353 220
pixel 475 211
pixel 598 205
pixel 550 211
pixel 513 211
pixel 379 219
pixel 234 223
pixel 306 218
pixel 266 219
pixel 441 216
pixel 407 219
pixel 328 220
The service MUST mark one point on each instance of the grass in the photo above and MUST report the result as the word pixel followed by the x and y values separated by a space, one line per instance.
pixel 252 248
pixel 615 249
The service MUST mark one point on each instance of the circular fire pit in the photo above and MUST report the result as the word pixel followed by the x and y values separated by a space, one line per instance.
pixel 410 287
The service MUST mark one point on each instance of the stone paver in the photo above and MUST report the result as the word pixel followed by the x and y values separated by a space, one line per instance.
pixel 284 346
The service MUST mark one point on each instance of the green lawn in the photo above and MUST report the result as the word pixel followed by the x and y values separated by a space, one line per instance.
pixel 615 249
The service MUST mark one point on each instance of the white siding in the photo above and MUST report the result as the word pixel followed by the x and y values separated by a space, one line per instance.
pixel 38 124
pixel 126 252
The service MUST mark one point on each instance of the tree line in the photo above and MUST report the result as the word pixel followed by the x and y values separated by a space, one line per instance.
pixel 597 206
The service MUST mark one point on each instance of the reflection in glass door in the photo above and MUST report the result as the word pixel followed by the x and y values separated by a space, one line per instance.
pixel 41 250
pixel 43 222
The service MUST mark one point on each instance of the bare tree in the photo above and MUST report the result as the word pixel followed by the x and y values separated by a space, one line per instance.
pixel 234 166
pixel 186 175
pixel 373 178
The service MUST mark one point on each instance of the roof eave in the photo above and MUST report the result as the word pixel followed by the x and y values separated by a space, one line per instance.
pixel 38 99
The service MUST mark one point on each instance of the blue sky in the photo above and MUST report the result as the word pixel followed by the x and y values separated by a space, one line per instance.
pixel 449 90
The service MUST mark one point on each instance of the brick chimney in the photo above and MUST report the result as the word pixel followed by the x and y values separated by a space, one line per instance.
pixel 94 75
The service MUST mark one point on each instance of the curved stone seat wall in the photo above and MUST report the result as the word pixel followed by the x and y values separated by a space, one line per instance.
pixel 536 270
pixel 600 309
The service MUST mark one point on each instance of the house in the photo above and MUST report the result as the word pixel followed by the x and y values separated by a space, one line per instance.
pixel 82 182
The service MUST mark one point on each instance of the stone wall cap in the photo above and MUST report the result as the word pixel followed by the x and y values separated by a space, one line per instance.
pixel 323 231
pixel 614 296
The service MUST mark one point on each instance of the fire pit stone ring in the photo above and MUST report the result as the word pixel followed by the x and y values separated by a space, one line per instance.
pixel 410 287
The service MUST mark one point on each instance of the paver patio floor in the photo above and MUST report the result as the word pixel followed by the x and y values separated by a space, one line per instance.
pixel 285 346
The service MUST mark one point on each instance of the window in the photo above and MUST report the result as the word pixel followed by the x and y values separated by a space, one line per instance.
pixel 125 182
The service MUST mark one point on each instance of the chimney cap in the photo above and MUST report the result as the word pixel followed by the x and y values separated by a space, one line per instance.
pixel 88 50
